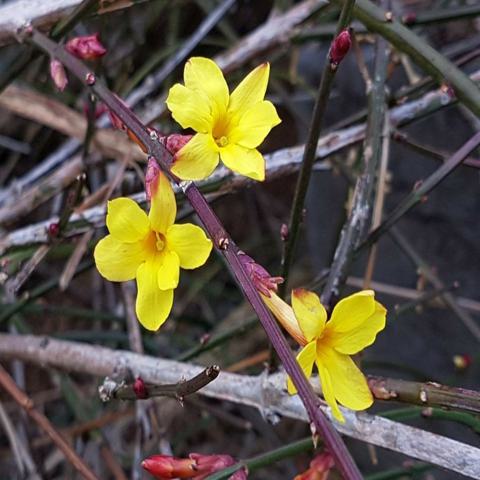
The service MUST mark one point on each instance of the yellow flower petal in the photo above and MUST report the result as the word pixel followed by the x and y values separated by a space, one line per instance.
pixel 306 359
pixel 310 313
pixel 349 384
pixel 189 108
pixel 255 125
pixel 190 244
pixel 360 337
pixel 203 75
pixel 168 270
pixel 153 305
pixel 118 261
pixel 126 221
pixel 352 311
pixel 250 91
pixel 245 161
pixel 197 159
pixel 327 390
pixel 164 207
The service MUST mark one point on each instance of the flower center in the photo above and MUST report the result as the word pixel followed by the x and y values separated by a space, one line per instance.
pixel 160 241
pixel 222 141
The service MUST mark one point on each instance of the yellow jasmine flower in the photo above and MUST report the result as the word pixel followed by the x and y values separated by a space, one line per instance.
pixel 353 325
pixel 229 127
pixel 151 249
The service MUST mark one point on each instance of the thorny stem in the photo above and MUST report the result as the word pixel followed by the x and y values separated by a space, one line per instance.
pixel 224 244
pixel 180 390
pixel 305 173
pixel 358 221
pixel 7 382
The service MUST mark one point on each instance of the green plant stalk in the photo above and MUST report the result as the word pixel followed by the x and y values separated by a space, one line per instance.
pixel 358 220
pixel 442 15
pixel 305 173
pixel 426 57
pixel 400 472
pixel 425 187
pixel 266 459
pixel 13 308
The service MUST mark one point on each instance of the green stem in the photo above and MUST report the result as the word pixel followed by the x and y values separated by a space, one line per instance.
pixel 442 15
pixel 358 221
pixel 266 459
pixel 426 57
pixel 305 173
pixel 400 472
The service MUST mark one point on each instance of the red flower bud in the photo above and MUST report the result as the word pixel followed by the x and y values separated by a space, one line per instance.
pixel 54 229
pixel 140 388
pixel 86 48
pixel 58 74
pixel 196 467
pixel 262 280
pixel 340 46
pixel 151 177
pixel 319 469
pixel 409 18
pixel 165 467
pixel 174 142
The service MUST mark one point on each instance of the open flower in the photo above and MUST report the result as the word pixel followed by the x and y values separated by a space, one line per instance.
pixel 151 249
pixel 229 127
pixel 353 325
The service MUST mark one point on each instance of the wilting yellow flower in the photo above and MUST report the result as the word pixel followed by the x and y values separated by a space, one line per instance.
pixel 151 249
pixel 354 324
pixel 228 126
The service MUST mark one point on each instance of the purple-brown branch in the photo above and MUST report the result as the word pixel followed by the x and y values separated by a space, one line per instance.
pixel 223 243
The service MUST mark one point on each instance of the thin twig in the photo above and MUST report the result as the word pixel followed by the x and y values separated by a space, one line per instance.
pixel 303 180
pixel 42 421
pixel 423 189
pixel 425 56
pixel 110 389
pixel 358 220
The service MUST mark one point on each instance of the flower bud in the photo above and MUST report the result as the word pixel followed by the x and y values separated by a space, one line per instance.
pixel 87 47
pixel 140 389
pixel 262 280
pixel 58 74
pixel 462 362
pixel 319 469
pixel 54 229
pixel 340 46
pixel 165 466
pixel 284 232
pixel 151 177
pixel 174 142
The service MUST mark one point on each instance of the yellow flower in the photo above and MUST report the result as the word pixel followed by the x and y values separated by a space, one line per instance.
pixel 354 324
pixel 151 249
pixel 228 126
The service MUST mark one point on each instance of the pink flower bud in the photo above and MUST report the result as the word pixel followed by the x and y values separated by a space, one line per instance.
pixel 165 467
pixel 284 232
pixel 86 48
pixel 140 388
pixel 319 469
pixel 58 74
pixel 174 142
pixel 261 279
pixel 196 467
pixel 409 18
pixel 340 46
pixel 151 178
pixel 54 229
